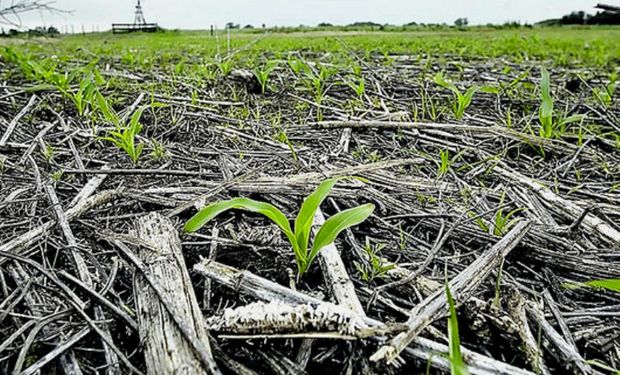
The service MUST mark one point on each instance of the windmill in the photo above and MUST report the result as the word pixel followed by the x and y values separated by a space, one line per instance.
pixel 139 23
pixel 139 17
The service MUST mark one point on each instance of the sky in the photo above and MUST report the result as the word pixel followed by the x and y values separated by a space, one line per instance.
pixel 200 14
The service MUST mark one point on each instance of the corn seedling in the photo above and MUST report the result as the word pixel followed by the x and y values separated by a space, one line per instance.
pixel 262 74
pixel 56 176
pixel 604 95
pixel 159 152
pixel 224 67
pixel 376 267
pixel 462 100
pixel 124 135
pixel 299 238
pixel 457 366
pixel 85 94
pixel 550 127
pixel 298 66
pixel 502 222
pixel 317 84
pixel 358 87
pixel 444 163
pixel 48 152
pixel 46 72
pixel 479 221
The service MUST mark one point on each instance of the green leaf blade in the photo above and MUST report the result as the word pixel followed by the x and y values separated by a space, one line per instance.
pixel 303 222
pixel 457 366
pixel 338 223
pixel 609 284
pixel 266 209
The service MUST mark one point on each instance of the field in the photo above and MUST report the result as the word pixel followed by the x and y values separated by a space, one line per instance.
pixel 455 196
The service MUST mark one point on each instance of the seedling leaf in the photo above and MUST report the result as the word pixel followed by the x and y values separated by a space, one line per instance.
pixel 336 224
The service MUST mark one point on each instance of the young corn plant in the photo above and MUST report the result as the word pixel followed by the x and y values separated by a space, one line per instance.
pixel 262 74
pixel 461 100
pixel 358 86
pixel 550 126
pixel 85 95
pixel 299 237
pixel 46 73
pixel 224 66
pixel 376 267
pixel 604 95
pixel 502 222
pixel 125 133
pixel 317 84
pixel 444 163
pixel 298 66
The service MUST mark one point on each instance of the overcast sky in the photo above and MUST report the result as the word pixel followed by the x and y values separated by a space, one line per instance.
pixel 199 14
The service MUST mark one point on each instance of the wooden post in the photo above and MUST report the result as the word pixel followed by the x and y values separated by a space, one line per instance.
pixel 167 350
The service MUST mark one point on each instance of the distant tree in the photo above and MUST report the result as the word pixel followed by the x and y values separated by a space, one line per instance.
pixel 52 31
pixel 575 18
pixel 461 22
pixel 232 25
pixel 11 12
pixel 364 24
pixel 248 26
pixel 325 24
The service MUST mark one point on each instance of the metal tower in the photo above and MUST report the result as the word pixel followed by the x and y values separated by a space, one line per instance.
pixel 139 17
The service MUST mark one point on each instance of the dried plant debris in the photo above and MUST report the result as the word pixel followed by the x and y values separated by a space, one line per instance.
pixel 281 318
pixel 496 171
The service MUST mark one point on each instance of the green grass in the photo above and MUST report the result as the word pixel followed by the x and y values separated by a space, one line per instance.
pixel 593 46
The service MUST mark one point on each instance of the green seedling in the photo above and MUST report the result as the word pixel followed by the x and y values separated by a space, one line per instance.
pixel 604 95
pixel 551 127
pixel 298 66
pixel 376 267
pixel 56 176
pixel 462 100
pixel 224 67
pixel 317 84
pixel 262 74
pixel 503 222
pixel 299 238
pixel 85 94
pixel 46 73
pixel 125 132
pixel 358 87
pixel 479 221
pixel 159 151
pixel 457 365
pixel 545 113
pixel 444 163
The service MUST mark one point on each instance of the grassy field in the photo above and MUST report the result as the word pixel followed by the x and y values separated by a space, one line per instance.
pixel 466 184
pixel 595 46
